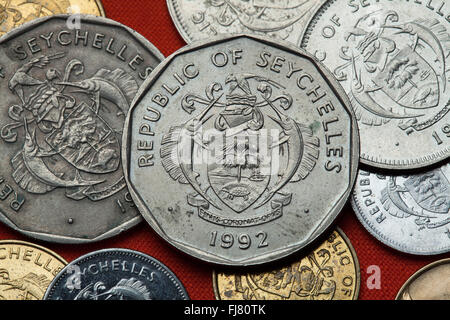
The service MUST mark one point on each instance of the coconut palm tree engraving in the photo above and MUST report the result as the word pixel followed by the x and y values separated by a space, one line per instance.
pixel 424 197
pixel 256 149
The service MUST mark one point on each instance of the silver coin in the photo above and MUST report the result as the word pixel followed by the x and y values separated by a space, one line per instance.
pixel 240 150
pixel 408 213
pixel 281 19
pixel 116 274
pixel 392 58
pixel 67 83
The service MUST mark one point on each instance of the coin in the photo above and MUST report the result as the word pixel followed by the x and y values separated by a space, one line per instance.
pixel 65 96
pixel 392 59
pixel 116 274
pixel 26 270
pixel 410 213
pixel 329 272
pixel 281 19
pixel 240 150
pixel 14 13
pixel 432 282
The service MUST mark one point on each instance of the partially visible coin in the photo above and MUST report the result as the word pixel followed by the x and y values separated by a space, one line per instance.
pixel 65 94
pixel 116 274
pixel 432 282
pixel 408 213
pixel 14 13
pixel 329 272
pixel 26 270
pixel 281 19
pixel 392 58
pixel 240 150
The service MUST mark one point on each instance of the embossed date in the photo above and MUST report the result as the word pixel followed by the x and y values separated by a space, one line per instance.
pixel 244 241
pixel 438 136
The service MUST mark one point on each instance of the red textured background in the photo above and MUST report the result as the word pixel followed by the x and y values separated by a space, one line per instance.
pixel 151 18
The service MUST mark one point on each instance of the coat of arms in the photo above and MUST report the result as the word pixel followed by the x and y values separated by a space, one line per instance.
pixel 262 16
pixel 398 70
pixel 310 281
pixel 69 140
pixel 424 198
pixel 240 151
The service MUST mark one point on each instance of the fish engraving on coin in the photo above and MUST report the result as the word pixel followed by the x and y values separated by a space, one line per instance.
pixel 408 213
pixel 26 270
pixel 393 60
pixel 116 274
pixel 282 19
pixel 65 94
pixel 240 151
pixel 14 13
pixel 329 272
pixel 432 282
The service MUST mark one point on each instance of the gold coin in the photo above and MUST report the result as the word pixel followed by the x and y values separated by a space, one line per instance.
pixel 14 13
pixel 26 270
pixel 330 272
pixel 432 282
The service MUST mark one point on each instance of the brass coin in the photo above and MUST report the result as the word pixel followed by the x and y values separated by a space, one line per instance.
pixel 432 282
pixel 26 270
pixel 14 13
pixel 330 272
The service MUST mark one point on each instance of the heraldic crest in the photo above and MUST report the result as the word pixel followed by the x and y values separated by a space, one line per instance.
pixel 71 135
pixel 239 152
pixel 309 279
pixel 424 198
pixel 398 70
pixel 262 16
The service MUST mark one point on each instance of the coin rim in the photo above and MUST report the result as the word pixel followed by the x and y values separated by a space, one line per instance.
pixel 100 8
pixel 347 242
pixel 331 214
pixel 418 273
pixel 365 159
pixel 178 21
pixel 17 32
pixel 140 255
pixel 382 238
